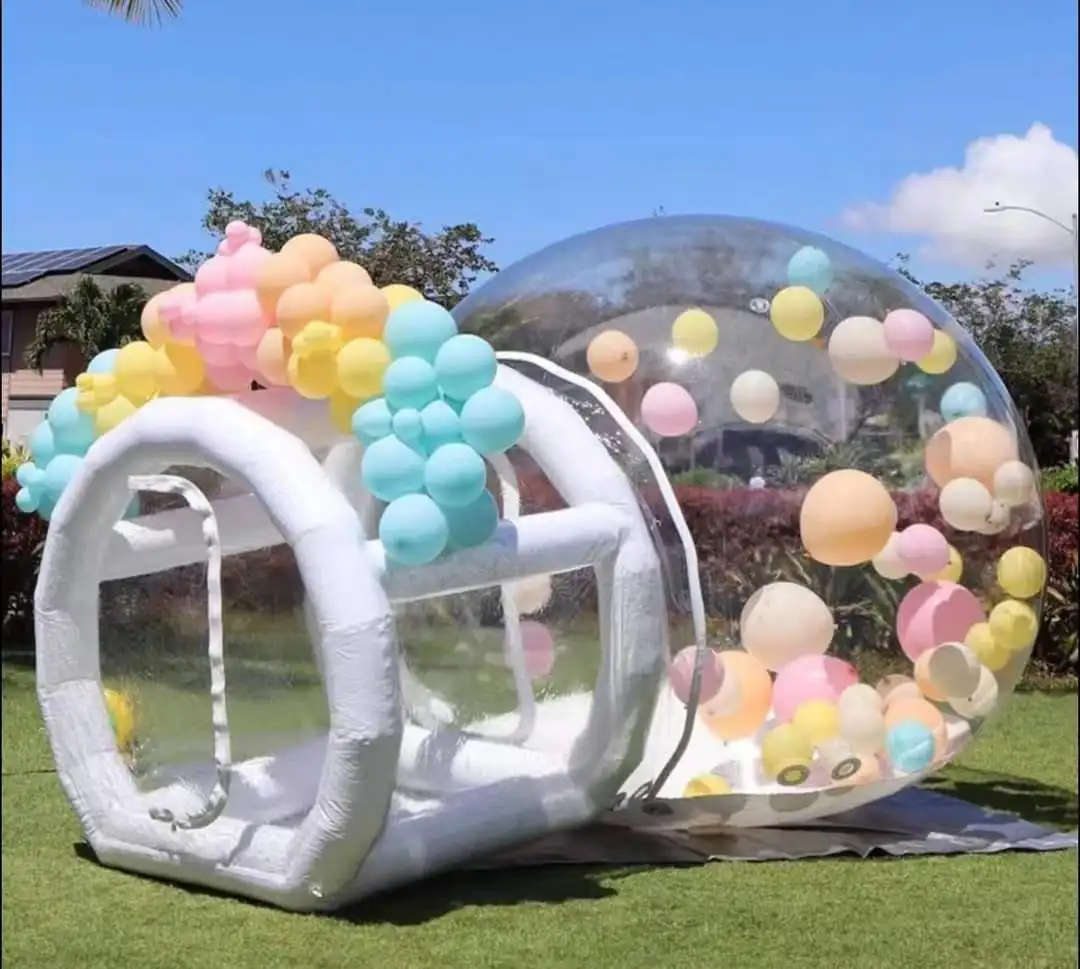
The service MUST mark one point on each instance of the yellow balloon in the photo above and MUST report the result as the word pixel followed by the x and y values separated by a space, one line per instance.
pixel 179 369
pixel 342 408
pixel 951 572
pixel 981 641
pixel 817 720
pixel 695 333
pixel 313 376
pixel 797 313
pixel 707 785
pixel 397 294
pixel 135 372
pixel 118 409
pixel 786 754
pixel 361 364
pixel 94 391
pixel 942 354
pixel 121 710
pixel 1021 572
pixel 1014 624
pixel 154 328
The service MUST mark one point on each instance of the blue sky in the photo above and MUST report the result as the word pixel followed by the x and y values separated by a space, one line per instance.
pixel 535 120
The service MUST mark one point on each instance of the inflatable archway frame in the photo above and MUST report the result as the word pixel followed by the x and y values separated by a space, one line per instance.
pixel 353 840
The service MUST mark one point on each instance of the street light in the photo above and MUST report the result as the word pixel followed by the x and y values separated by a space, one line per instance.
pixel 998 207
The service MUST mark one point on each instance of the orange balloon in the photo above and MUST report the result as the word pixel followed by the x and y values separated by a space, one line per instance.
pixel 343 273
pixel 277 274
pixel 314 251
pixel 846 518
pixel 924 712
pixel 969 447
pixel 755 697
pixel 299 305
pixel 360 311
pixel 272 357
pixel 612 356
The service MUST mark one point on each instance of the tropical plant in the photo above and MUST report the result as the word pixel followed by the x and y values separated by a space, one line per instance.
pixel 89 317
pixel 139 11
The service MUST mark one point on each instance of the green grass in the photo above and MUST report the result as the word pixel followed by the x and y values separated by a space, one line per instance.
pixel 62 910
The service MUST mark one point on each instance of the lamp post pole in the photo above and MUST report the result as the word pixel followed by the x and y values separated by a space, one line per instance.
pixel 1072 231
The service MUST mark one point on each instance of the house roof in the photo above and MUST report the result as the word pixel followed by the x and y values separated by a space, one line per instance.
pixel 49 289
pixel 21 268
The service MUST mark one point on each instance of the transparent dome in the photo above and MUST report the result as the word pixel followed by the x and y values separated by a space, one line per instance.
pixel 860 494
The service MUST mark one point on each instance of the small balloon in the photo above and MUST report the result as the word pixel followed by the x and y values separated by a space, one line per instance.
pixel 952 572
pixel 1021 572
pixel 888 563
pixel 681 673
pixel 908 334
pixel 492 420
pixel 786 754
pixel 1014 624
pixel 440 424
pixel 398 295
pixel 359 309
pixel 342 408
pixel 410 382
pixel 994 655
pixel 455 475
pixel 965 504
pixel 299 305
pixel 846 518
pixel 135 371
pixel 372 421
pixel 112 415
pixel 276 275
pixel 474 524
pixel 962 400
pixel 391 469
pixel 313 250
pixel 783 621
pixel 418 329
pixel 668 410
pixel 923 549
pixel 755 396
pixel 413 529
pixel 810 268
pixel 1014 484
pixel 178 369
pixel 797 313
pixel 465 364
pixel 361 367
pixel 695 333
pixel 942 354
pixel 538 647
pixel 934 613
pixel 104 363
pixel 343 274
pixel 72 431
pixel 612 356
pixel 859 352
pixel 41 445
pixel 154 328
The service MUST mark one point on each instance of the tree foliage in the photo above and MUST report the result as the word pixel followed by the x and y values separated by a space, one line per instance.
pixel 139 11
pixel 442 265
pixel 89 317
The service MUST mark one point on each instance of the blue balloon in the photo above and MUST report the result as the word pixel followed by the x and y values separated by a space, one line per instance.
pixel 464 365
pixel 46 506
pixel 962 400
pixel 41 444
pixel 29 475
pixel 492 420
pixel 58 474
pixel 455 476
pixel 25 501
pixel 413 530
pixel 407 425
pixel 441 425
pixel 391 469
pixel 372 421
pixel 474 524
pixel 418 329
pixel 72 430
pixel 410 382
pixel 812 268
pixel 104 362
pixel 910 745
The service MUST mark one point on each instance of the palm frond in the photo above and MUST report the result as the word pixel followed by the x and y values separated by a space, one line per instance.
pixel 139 11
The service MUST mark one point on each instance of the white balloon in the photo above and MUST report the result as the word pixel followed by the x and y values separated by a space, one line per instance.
pixel 954 669
pixel 965 504
pixel 997 521
pixel 755 395
pixel 532 594
pixel 783 621
pixel 887 563
pixel 859 352
pixel 862 728
pixel 1014 484
pixel 861 695
pixel 981 701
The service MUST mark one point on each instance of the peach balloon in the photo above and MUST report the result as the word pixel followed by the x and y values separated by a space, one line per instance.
pixel 755 698
pixel 783 621
pixel 343 273
pixel 277 274
pixel 934 613
pixel 359 309
pixel 612 356
pixel 969 447
pixel 314 251
pixel 272 357
pixel 859 352
pixel 154 328
pixel 896 687
pixel 810 678
pixel 299 305
pixel 847 517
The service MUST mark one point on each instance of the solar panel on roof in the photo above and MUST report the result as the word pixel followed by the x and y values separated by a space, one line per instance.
pixel 23 267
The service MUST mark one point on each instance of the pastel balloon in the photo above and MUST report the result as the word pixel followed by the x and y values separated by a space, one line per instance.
pixel 59 473
pixel 668 410
pixel 908 334
pixel 41 445
pixel 706 785
pixel 695 333
pixel 962 400
pixel 231 317
pixel 681 672
pixel 212 276
pixel 531 594
pixel 243 267
pixel 314 251
pixel 72 431
pixel 538 647
pixel 373 421
pixel 612 356
pixel 782 622
pixel 817 720
pixel 344 274
pixel 981 702
pixel 358 308
pixel 465 364
pixel 391 469
pixel 440 424
pixel 934 613
pixel 811 268
pixel 474 524
pixel 299 305
pixel 786 754
pixel 859 352
pixel 455 475
pixel 951 669
pixel 923 549
pixel 1014 624
pixel 997 521
pixel 952 572
pixel 112 414
pixel 797 313
pixel 342 408
pixel 178 370
pixel 755 396
pixel 361 367
pixel 154 328
pixel 179 311
pixel 910 746
pixel 889 563
pixel 313 376
pixel 418 329
pixel 846 518
pixel 135 371
pixel 861 720
pixel 896 687
pixel 398 294
pixel 994 655
pixel 965 504
pixel 1014 484
pixel 229 378
pixel 1021 572
pixel 729 721
pixel 410 382
pixel 810 677
pixel 104 362
pixel 272 357
pixel 942 355
pixel 413 529
pixel 277 274
pixel 492 421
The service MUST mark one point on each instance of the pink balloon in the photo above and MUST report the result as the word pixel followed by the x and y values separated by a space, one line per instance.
pixel 934 613
pixel 247 356
pixel 668 410
pixel 244 264
pixel 908 334
pixel 217 354
pixel 229 380
pixel 236 232
pixel 922 549
pixel 807 678
pixel 232 317
pixel 539 649
pixel 681 672
pixel 212 276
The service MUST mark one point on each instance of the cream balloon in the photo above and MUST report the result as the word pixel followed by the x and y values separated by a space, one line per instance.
pixel 783 621
pixel 1014 484
pixel 888 563
pixel 997 520
pixel 755 395
pixel 953 669
pixel 860 695
pixel 896 687
pixel 965 504
pixel 862 722
pixel 981 701
pixel 859 352
pixel 531 595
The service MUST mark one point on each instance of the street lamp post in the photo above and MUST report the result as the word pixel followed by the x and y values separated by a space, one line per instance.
pixel 1072 230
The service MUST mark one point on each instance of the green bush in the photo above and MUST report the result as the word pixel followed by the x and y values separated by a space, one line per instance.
pixel 1063 479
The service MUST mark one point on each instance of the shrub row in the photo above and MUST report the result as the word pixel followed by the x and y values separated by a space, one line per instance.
pixel 744 540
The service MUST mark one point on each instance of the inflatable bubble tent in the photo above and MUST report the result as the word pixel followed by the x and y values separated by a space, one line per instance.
pixel 341 589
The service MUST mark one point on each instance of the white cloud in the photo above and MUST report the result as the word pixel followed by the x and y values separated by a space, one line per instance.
pixel 946 205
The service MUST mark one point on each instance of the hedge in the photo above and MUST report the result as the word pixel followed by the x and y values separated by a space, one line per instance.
pixel 744 539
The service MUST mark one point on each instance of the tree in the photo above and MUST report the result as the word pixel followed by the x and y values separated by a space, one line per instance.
pixel 89 318
pixel 1029 338
pixel 139 11
pixel 442 266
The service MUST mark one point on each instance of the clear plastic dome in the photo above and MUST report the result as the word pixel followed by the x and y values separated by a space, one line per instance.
pixel 860 494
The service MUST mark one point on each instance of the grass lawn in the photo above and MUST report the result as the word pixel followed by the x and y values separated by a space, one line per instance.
pixel 62 910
